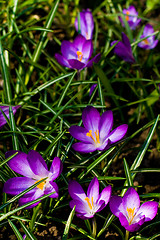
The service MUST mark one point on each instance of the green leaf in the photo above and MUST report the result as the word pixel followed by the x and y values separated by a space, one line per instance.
pixel 68 224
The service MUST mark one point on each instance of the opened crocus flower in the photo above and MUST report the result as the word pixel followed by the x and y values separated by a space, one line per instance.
pixel 131 215
pixel 88 205
pixel 96 133
pixel 123 49
pixel 131 16
pixel 76 54
pixel 33 167
pixel 86 24
pixel 149 42
pixel 5 110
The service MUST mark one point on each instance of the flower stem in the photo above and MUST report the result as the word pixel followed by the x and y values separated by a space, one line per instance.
pixel 127 235
pixel 94 224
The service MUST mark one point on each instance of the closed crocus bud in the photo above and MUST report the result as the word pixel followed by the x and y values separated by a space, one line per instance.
pixel 86 24
pixel 123 49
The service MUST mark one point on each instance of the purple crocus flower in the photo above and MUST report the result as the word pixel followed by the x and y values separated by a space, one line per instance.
pixel 5 109
pixel 76 54
pixel 123 49
pixel 149 42
pixel 131 16
pixel 33 167
pixel 86 24
pixel 131 215
pixel 96 133
pixel 88 205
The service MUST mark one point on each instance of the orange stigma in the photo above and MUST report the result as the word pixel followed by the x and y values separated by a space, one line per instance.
pixel 89 204
pixel 127 17
pixel 96 139
pixel 146 41
pixel 41 185
pixel 80 56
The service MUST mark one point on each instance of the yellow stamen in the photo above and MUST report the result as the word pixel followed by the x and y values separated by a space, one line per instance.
pixel 88 201
pixel 41 185
pixel 127 17
pixel 146 41
pixel 80 56
pixel 130 214
pixel 89 134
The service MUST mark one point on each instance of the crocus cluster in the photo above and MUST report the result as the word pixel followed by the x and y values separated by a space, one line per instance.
pixel 34 169
pixel 131 16
pixel 131 215
pixel 86 24
pixel 96 133
pixel 5 110
pixel 88 204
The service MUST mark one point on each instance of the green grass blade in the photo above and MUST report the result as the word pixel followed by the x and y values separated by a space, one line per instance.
pixel 27 232
pixel 68 224
pixel 128 174
pixel 14 228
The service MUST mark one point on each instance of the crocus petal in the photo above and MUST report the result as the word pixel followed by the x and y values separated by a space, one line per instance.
pixel 115 205
pixel 149 210
pixel 76 191
pixel 37 164
pixel 95 59
pixel 78 42
pixel 68 50
pixel 52 187
pixel 91 118
pixel 84 147
pixel 93 189
pixel 38 193
pixel 20 164
pixel 125 224
pixel 105 124
pixel 17 185
pixel 61 60
pixel 80 134
pixel 87 50
pixel 56 168
pixel 154 44
pixel 131 200
pixel 105 194
pixel 148 30
pixel 118 133
pixel 80 206
pixel 121 51
pixel 5 110
pixel 75 64
pixel 126 42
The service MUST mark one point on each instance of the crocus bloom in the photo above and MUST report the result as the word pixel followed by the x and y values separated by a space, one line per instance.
pixel 76 54
pixel 123 49
pixel 33 167
pixel 131 215
pixel 86 24
pixel 88 205
pixel 131 16
pixel 96 133
pixel 149 42
pixel 5 109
